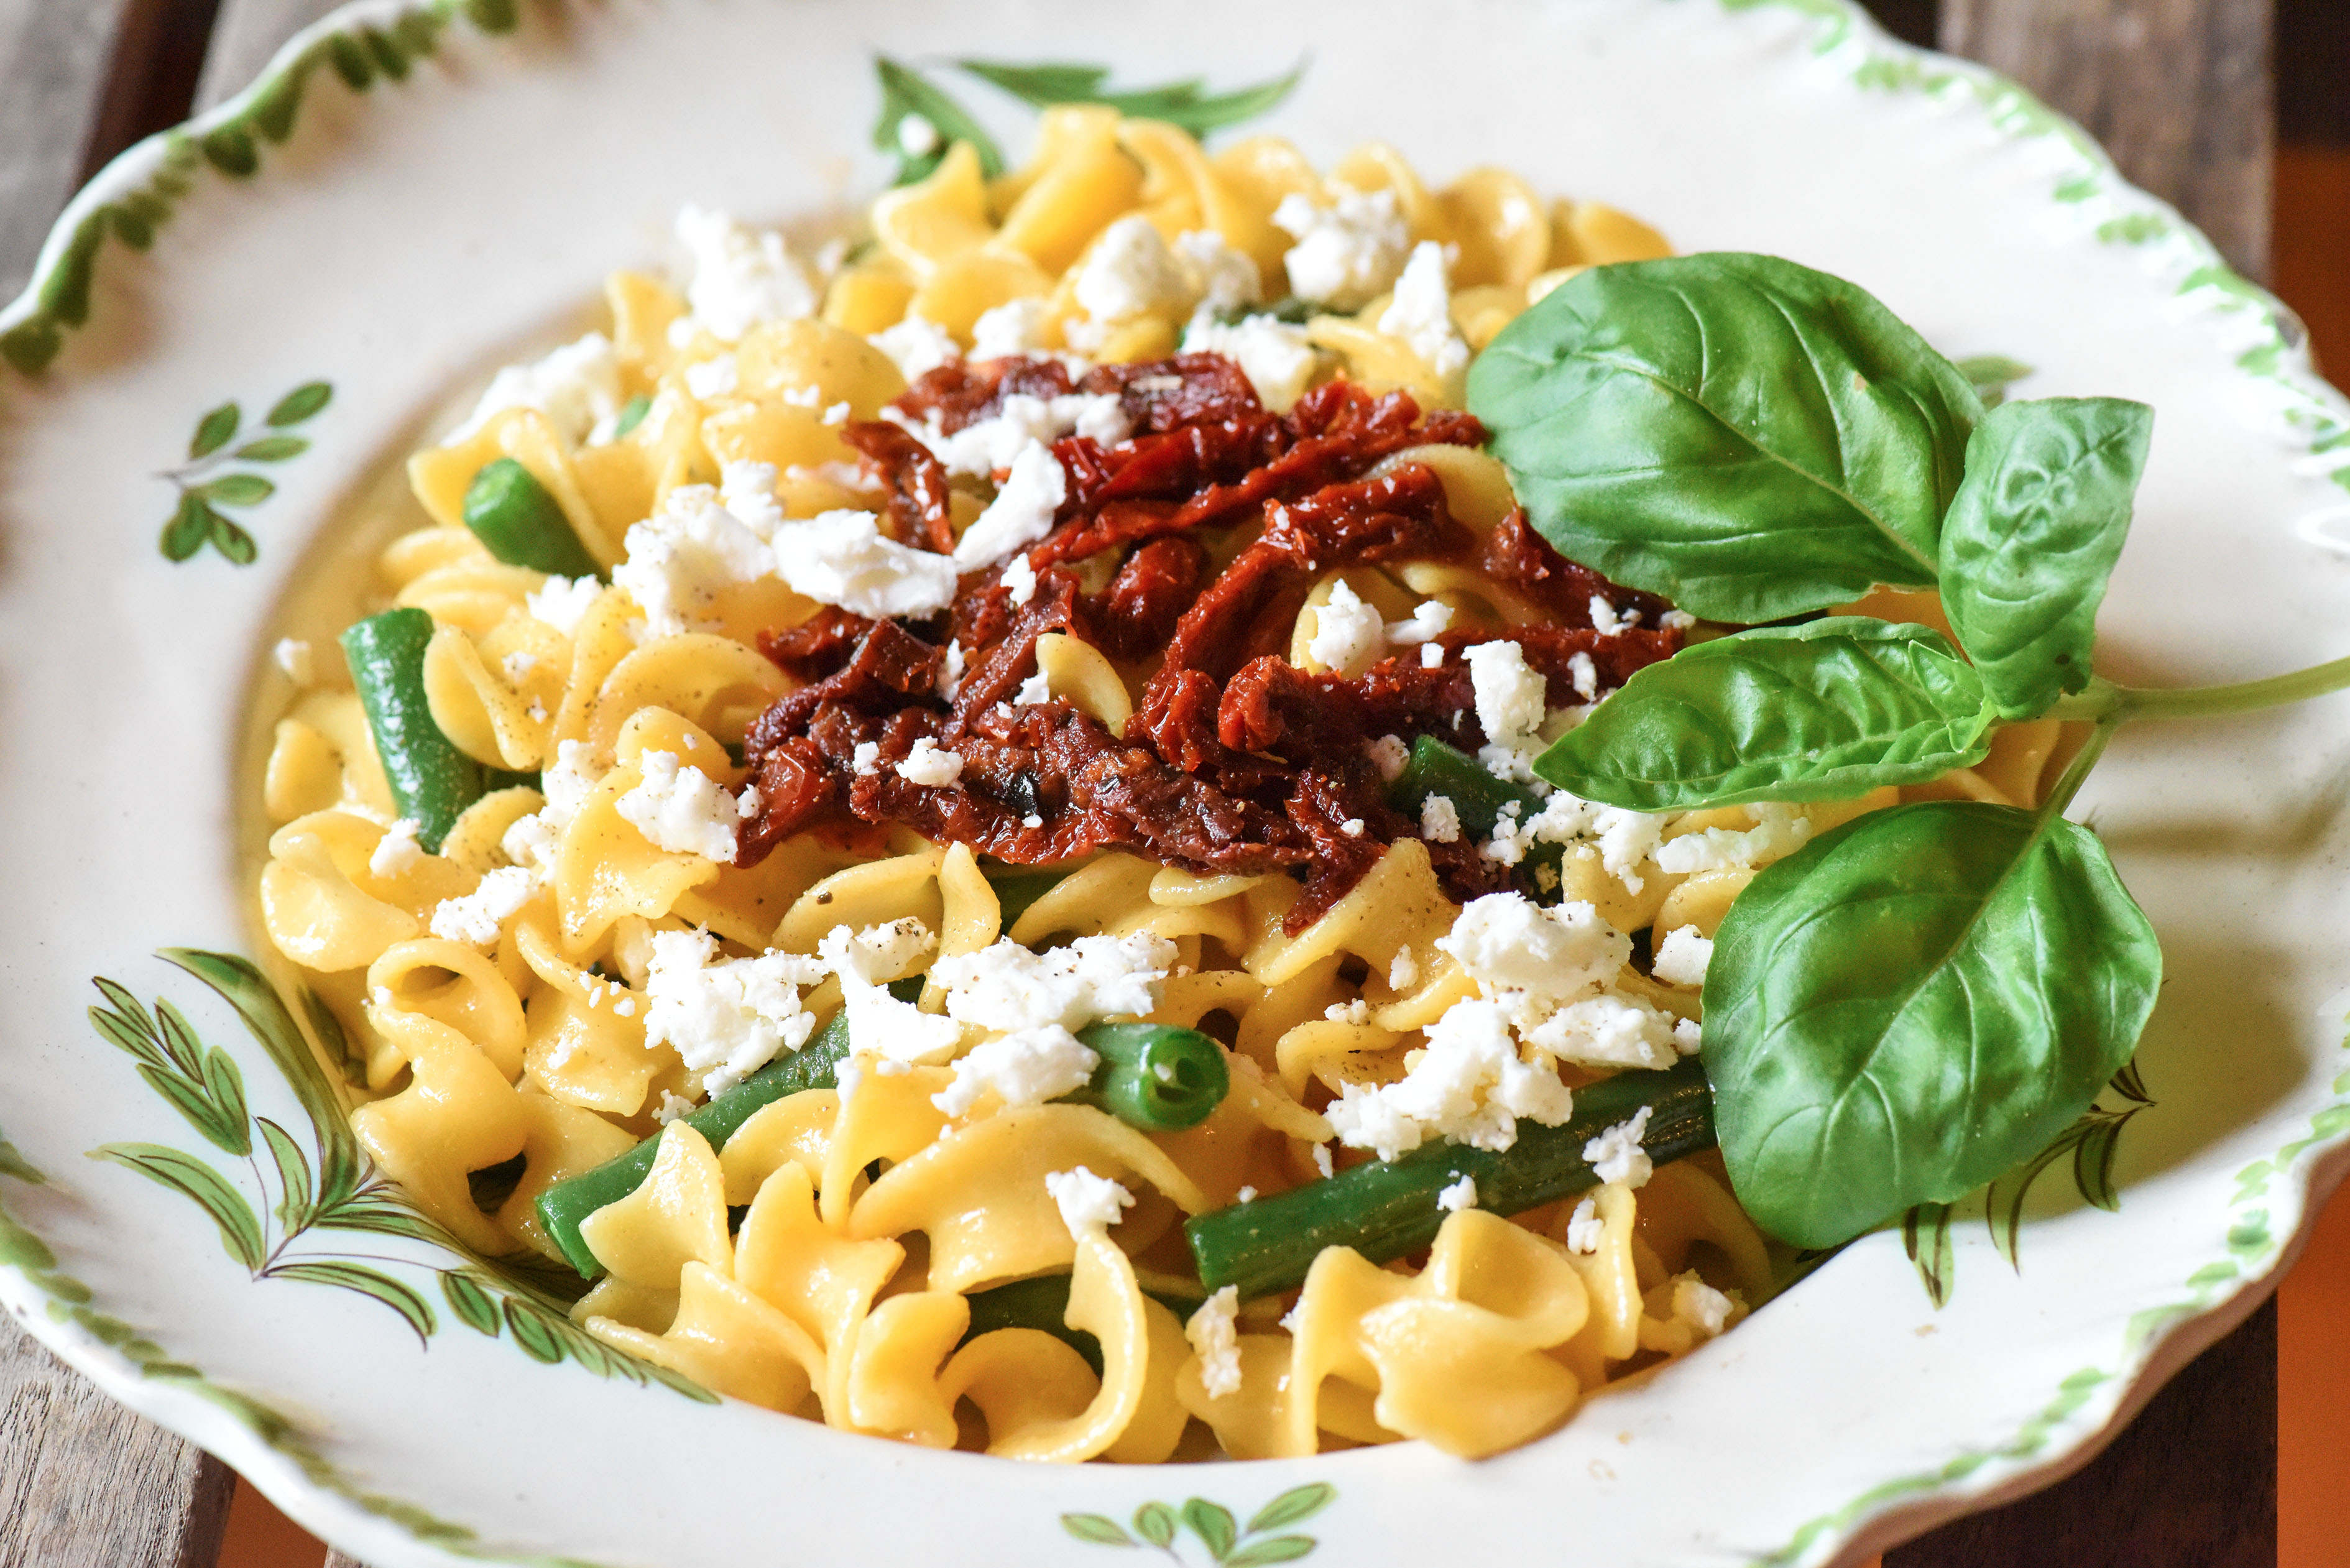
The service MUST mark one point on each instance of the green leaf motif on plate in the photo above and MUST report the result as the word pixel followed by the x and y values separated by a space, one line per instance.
pixel 214 431
pixel 202 1185
pixel 206 485
pixel 1223 1540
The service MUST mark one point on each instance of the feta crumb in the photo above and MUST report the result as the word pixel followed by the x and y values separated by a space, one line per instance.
pixel 1129 272
pixel 747 491
pixel 1007 987
pixel 1089 1204
pixel 397 851
pixel 1027 1067
pixel 682 557
pixel 1681 958
pixel 1677 621
pixel 1390 756
pixel 1037 687
pixel 897 1033
pixel 1603 619
pixel 1468 1087
pixel 1015 326
pixel 710 379
pixel 917 346
pixel 951 670
pixel 475 918
pixel 575 387
pixel 1688 1035
pixel 1216 1340
pixel 1021 514
pixel 1440 820
pixel 292 657
pixel 1347 254
pixel 1223 276
pixel 1421 314
pixel 1356 1012
pixel 672 1105
pixel 917 137
pixel 1585 1228
pixel 1461 1194
pixel 867 755
pixel 560 602
pixel 927 765
pixel 838 414
pixel 841 558
pixel 1510 696
pixel 1352 828
pixel 1429 617
pixel 682 810
pixel 1699 1305
pixel 742 276
pixel 1032 820
pixel 1584 675
pixel 1431 656
pixel 1616 1155
pixel 1245 1195
pixel 568 784
pixel 1511 946
pixel 1403 972
pixel 1276 356
pixel 1020 576
pixel 986 446
pixel 1779 832
pixel 1322 1160
pixel 1348 635
pixel 530 841
pixel 726 1018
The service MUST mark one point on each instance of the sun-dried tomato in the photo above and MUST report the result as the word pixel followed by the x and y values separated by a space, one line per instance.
pixel 1133 618
pixel 1516 555
pixel 915 479
pixel 818 647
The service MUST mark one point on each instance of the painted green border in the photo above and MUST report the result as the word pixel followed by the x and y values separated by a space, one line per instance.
pixel 137 195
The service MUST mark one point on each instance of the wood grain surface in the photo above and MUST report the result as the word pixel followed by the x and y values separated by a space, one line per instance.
pixel 53 56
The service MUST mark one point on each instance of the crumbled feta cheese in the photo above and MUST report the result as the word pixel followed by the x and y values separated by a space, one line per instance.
pixel 742 276
pixel 1510 696
pixel 1032 820
pixel 1626 839
pixel 682 810
pixel 726 1018
pixel 515 666
pixel 838 414
pixel 530 841
pixel 1356 1012
pixel 917 137
pixel 1461 1194
pixel 866 758
pixel 1469 1087
pixel 1603 619
pixel 1608 1031
pixel 1276 356
pixel 1347 253
pixel 1689 1037
pixel 672 1107
pixel 1007 987
pixel 1699 1305
pixel 1348 635
pixel 747 491
pixel 1403 970
pixel 1778 832
pixel 984 446
pixel 476 918
pixel 1585 1228
pixel 1352 828
pixel 1129 272
pixel 569 783
pixel 1677 621
pixel 397 850
pixel 1390 756
pixel 1021 514
pixel 1322 1160
pixel 574 387
pixel 1616 1155
pixel 1681 958
pixel 717 378
pixel 1440 820
pixel 682 557
pixel 294 660
pixel 917 346
pixel 560 602
pixel 1223 276
pixel 1584 674
pixel 1431 656
pixel 1020 577
pixel 841 558
pixel 1421 314
pixel 1015 326
pixel 1027 1067
pixel 1508 943
pixel 1214 1336
pixel 897 1033
pixel 1429 617
pixel 1245 1195
pixel 1037 687
pixel 927 765
pixel 951 670
pixel 1089 1204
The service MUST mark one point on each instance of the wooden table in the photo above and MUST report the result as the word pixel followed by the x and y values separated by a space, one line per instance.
pixel 2180 90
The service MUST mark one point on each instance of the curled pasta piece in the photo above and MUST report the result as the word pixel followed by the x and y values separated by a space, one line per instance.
pixel 971 917
pixel 1378 166
pixel 441 476
pixel 1611 1274
pixel 1396 904
pixel 456 1115
pixel 1501 226
pixel 823 1281
pixel 582 1049
pixel 503 717
pixel 323 905
pixel 714 681
pixel 605 868
pixel 323 756
pixel 1683 1207
pixel 476 840
pixel 727 1339
pixel 872 894
pixel 1258 171
pixel 891 1116
pixel 929 223
pixel 1336 1053
pixel 892 1389
pixel 423 550
pixel 1023 1380
pixel 456 985
pixel 1078 673
pixel 1183 190
pixel 675 1217
pixel 561 1142
pixel 978 1192
pixel 1078 182
pixel 1097 897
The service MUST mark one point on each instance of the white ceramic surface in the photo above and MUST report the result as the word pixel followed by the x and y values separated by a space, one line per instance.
pixel 400 236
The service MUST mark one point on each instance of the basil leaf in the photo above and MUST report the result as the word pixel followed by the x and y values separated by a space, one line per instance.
pixel 906 94
pixel 2033 536
pixel 1187 104
pixel 1911 1004
pixel 1747 437
pixel 1824 711
pixel 1990 374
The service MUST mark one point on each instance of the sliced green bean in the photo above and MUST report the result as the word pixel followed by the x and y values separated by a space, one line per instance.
pixel 1476 797
pixel 510 511
pixel 1154 1076
pixel 432 780
pixel 1387 1210
pixel 1015 891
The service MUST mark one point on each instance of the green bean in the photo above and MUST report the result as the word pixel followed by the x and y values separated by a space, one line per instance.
pixel 510 511
pixel 632 414
pixel 1015 891
pixel 1154 1076
pixel 1476 797
pixel 432 780
pixel 1387 1210
pixel 1043 1304
pixel 563 1206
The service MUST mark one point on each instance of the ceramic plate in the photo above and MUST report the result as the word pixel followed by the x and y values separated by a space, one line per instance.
pixel 411 194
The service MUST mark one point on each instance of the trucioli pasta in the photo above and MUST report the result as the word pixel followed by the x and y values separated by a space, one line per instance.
pixel 897 778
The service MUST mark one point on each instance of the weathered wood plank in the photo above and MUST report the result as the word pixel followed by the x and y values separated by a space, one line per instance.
pixel 245 35
pixel 54 58
pixel 338 1560
pixel 2180 91
pixel 85 1484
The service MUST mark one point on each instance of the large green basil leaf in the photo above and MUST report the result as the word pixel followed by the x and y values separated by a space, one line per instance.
pixel 2031 538
pixel 1745 436
pixel 1913 1003
pixel 1823 711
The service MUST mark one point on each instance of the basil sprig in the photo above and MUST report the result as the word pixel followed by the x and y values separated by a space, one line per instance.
pixel 1923 998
